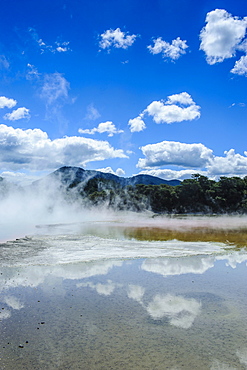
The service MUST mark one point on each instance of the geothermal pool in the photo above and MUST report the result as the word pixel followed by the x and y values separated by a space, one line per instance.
pixel 167 293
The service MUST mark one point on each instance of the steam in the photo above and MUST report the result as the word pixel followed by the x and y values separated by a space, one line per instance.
pixel 58 201
pixel 45 203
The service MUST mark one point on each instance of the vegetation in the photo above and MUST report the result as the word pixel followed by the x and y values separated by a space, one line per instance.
pixel 195 195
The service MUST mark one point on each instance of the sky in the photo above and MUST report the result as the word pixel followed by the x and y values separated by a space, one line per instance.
pixel 127 87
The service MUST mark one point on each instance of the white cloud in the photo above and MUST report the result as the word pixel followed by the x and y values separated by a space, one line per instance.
pixel 240 67
pixel 21 178
pixel 116 38
pixel 118 172
pixel 233 164
pixel 32 73
pixel 62 47
pixel 33 150
pixel 92 113
pixel 17 114
pixel 174 153
pixel 183 98
pixel 59 47
pixel 173 50
pixel 222 35
pixel 103 127
pixel 6 102
pixel 178 108
pixel 168 174
pixel 55 88
pixel 196 156
pixel 137 124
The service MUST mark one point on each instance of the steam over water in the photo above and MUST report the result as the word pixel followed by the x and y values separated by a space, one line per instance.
pixel 87 290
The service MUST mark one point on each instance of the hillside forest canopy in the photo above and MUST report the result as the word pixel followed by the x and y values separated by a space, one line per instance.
pixel 196 195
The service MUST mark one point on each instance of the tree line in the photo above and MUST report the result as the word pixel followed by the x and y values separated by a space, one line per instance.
pixel 196 195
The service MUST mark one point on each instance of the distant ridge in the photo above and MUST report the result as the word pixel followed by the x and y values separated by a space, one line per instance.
pixel 74 175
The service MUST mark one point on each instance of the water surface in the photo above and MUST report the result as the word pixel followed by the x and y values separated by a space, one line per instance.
pixel 112 296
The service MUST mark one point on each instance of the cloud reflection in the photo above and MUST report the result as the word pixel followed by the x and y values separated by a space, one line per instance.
pixel 13 302
pixel 135 292
pixel 4 314
pixel 233 259
pixel 192 264
pixel 180 311
pixel 183 265
pixel 102 289
pixel 33 276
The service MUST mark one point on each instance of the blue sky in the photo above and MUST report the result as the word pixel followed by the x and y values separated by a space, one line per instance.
pixel 127 87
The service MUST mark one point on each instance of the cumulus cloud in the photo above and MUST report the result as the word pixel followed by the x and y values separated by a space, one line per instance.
pixel 240 67
pixel 32 149
pixel 118 172
pixel 174 153
pixel 196 156
pixel 222 35
pixel 172 51
pixel 168 174
pixel 103 127
pixel 233 164
pixel 177 108
pixel 137 124
pixel 6 102
pixel 17 114
pixel 116 38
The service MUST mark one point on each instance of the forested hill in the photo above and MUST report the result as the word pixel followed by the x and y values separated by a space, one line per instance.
pixel 75 175
pixel 138 193
pixel 196 195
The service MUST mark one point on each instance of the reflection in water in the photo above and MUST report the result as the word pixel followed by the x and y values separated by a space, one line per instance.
pixel 4 314
pixel 136 292
pixel 82 302
pixel 104 289
pixel 172 266
pixel 118 314
pixel 13 302
pixel 180 311
pixel 192 265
